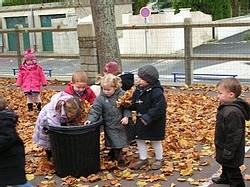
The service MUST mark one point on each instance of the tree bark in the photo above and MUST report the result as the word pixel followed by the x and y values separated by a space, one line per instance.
pixel 103 15
pixel 235 8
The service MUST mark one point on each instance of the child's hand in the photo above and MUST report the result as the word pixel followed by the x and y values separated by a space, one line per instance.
pixel 143 122
pixel 124 121
pixel 87 122
pixel 19 89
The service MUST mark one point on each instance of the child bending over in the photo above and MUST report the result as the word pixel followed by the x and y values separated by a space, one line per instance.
pixel 61 110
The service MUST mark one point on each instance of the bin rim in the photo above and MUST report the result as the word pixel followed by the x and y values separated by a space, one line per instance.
pixel 74 129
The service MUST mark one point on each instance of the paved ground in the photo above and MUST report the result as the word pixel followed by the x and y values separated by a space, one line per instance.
pixel 207 172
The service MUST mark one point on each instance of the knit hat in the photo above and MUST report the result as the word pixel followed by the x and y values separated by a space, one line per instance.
pixel 29 55
pixel 148 73
pixel 112 67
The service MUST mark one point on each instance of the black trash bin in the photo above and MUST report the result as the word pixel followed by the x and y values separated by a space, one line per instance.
pixel 75 149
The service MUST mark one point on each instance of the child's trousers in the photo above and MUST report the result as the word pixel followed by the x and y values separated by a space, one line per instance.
pixel 233 175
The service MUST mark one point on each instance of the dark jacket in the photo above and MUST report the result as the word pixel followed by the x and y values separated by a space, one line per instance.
pixel 150 105
pixel 127 80
pixel 230 133
pixel 12 155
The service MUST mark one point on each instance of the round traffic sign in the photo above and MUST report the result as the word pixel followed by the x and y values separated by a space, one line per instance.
pixel 145 12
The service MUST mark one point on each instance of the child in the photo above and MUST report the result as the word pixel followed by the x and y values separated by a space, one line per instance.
pixel 230 132
pixel 12 154
pixel 150 105
pixel 62 109
pixel 115 69
pixel 78 87
pixel 31 77
pixel 115 119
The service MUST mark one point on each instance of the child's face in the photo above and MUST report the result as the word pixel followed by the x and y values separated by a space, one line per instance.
pixel 108 90
pixel 224 95
pixel 142 82
pixel 70 115
pixel 29 61
pixel 79 87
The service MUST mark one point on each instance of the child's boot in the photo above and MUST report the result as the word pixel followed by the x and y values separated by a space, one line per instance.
pixel 111 155
pixel 30 107
pixel 120 158
pixel 39 106
pixel 48 154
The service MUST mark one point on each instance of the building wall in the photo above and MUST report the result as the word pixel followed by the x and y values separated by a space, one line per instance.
pixel 162 41
pixel 61 41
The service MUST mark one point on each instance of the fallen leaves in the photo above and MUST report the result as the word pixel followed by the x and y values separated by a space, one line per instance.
pixel 190 124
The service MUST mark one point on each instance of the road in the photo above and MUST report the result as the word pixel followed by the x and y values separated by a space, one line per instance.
pixel 230 45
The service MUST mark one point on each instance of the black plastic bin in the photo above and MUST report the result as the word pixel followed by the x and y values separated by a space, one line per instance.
pixel 75 149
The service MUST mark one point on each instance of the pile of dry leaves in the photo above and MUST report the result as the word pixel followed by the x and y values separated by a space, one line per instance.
pixel 190 122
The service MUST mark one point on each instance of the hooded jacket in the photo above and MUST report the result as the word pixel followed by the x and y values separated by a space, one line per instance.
pixel 31 78
pixel 230 132
pixel 48 115
pixel 150 105
pixel 12 155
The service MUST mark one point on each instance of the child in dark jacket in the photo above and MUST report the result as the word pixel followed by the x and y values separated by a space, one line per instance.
pixel 150 105
pixel 115 69
pixel 126 77
pixel 12 155
pixel 230 132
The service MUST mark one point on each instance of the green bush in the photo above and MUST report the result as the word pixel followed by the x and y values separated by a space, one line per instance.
pixel 26 2
pixel 247 36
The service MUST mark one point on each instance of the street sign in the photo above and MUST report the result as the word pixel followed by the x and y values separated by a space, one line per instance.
pixel 145 12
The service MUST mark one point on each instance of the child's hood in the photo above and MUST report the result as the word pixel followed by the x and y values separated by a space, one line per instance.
pixel 8 114
pixel 243 106
pixel 59 96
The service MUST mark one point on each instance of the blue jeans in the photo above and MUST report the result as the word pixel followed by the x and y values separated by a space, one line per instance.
pixel 27 184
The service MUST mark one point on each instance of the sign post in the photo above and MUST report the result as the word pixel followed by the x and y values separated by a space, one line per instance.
pixel 145 12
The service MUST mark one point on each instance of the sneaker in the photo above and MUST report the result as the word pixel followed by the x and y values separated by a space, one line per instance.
pixel 121 164
pixel 157 164
pixel 137 165
pixel 111 155
pixel 218 180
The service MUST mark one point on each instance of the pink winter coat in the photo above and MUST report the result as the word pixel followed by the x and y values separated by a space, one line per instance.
pixel 31 79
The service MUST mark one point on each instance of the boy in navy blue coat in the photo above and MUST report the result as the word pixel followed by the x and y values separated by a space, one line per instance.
pixel 230 132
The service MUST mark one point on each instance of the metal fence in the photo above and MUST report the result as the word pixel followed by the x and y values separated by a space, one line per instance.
pixel 228 56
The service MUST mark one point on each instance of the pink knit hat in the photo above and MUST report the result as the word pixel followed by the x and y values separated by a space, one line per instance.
pixel 112 67
pixel 29 55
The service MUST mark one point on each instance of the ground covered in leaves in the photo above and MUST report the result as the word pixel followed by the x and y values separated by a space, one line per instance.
pixel 190 122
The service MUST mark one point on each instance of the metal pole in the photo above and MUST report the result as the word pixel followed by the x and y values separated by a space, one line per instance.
pixel 188 51
pixel 146 40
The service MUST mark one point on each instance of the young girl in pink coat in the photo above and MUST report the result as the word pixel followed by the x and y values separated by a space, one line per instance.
pixel 30 78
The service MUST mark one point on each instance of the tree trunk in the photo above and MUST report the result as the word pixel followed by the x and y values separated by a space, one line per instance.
pixel 235 8
pixel 103 15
